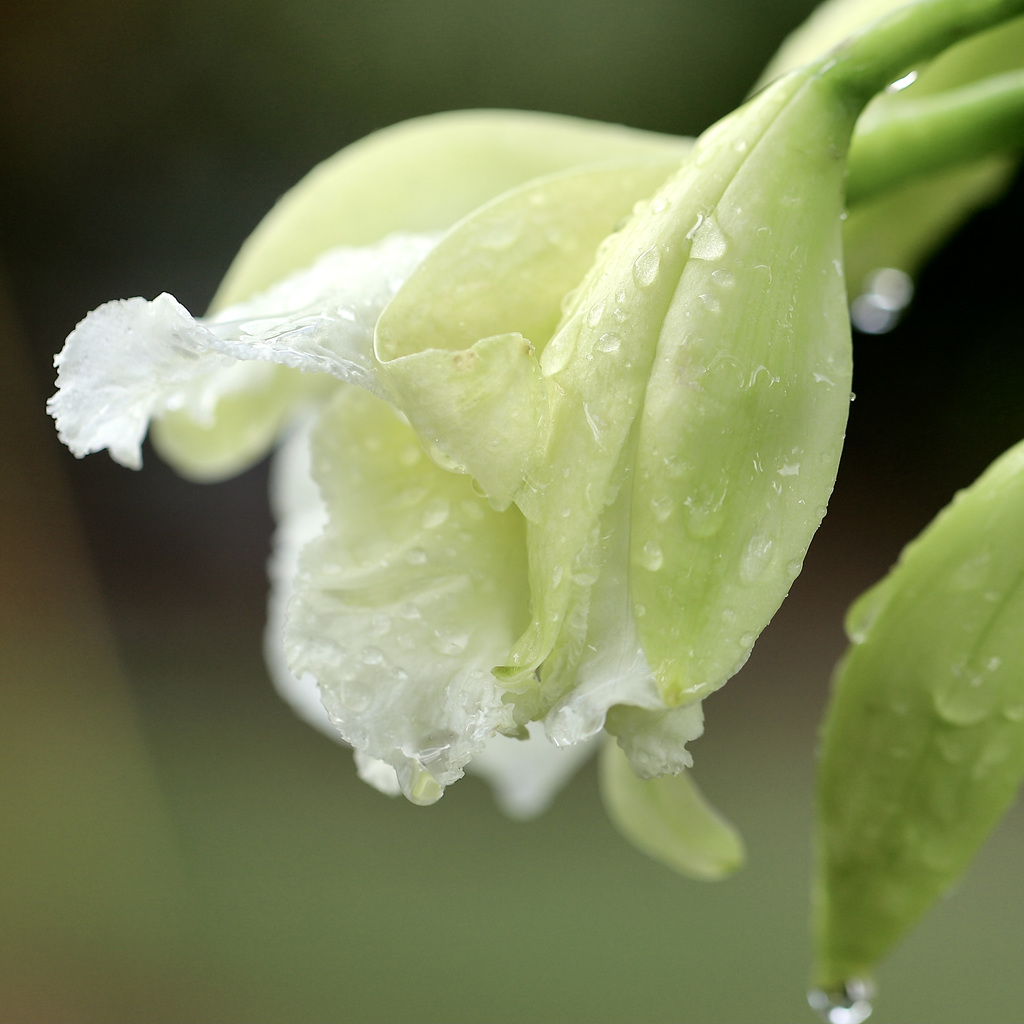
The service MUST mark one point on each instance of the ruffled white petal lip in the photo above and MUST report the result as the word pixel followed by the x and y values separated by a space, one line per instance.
pixel 130 360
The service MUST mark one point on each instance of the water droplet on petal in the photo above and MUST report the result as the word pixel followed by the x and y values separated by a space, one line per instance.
pixel 849 1004
pixel 435 513
pixel 652 557
pixel 707 240
pixel 595 422
pixel 901 83
pixel 962 698
pixel 416 556
pixel 662 508
pixel 502 234
pixel 755 558
pixel 970 574
pixel 704 510
pixel 372 656
pixel 646 266
pixel 608 343
pixel 452 643
pixel 380 624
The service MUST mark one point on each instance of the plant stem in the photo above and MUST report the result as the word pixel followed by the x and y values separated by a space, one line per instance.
pixel 937 132
pixel 869 61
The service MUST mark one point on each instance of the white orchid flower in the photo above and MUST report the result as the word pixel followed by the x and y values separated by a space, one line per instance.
pixel 383 637
pixel 564 406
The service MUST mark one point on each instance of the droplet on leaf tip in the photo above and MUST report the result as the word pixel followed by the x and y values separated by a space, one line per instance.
pixel 850 1003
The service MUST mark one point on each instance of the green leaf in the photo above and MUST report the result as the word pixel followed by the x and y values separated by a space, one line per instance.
pixel 922 749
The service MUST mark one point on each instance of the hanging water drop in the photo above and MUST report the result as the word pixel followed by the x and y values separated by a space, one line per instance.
pixel 848 1004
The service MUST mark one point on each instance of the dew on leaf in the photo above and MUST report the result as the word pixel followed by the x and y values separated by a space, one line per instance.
pixel 850 1003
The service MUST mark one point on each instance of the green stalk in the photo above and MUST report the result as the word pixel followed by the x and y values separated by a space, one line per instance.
pixel 884 51
pixel 935 133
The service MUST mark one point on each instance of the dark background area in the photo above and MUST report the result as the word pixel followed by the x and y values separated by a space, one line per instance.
pixel 174 845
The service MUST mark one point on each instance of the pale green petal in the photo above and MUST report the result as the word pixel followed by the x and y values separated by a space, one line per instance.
pixel 251 405
pixel 420 176
pixel 614 686
pixel 525 775
pixel 669 820
pixel 301 517
pixel 401 607
pixel 459 345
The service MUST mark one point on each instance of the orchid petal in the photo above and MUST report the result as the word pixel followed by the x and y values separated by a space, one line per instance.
pixel 669 820
pixel 301 517
pixel 415 589
pixel 526 774
pixel 462 361
pixel 422 175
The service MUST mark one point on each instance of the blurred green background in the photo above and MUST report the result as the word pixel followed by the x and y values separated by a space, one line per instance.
pixel 176 846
